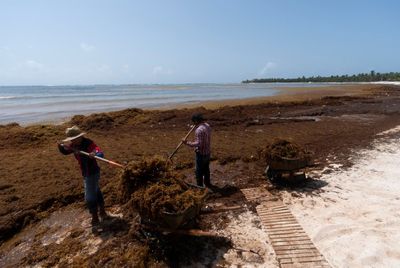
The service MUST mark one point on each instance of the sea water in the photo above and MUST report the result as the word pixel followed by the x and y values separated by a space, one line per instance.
pixel 38 104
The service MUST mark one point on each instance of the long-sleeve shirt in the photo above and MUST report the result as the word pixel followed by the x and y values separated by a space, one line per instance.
pixel 202 141
pixel 88 165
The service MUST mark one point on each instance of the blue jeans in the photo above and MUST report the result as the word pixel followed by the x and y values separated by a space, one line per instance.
pixel 203 169
pixel 93 195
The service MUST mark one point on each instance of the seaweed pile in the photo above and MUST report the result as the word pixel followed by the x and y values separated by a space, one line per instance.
pixel 151 188
pixel 107 121
pixel 138 174
pixel 100 121
pixel 13 135
pixel 281 148
pixel 169 195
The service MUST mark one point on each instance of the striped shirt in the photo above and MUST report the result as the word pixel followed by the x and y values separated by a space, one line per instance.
pixel 202 141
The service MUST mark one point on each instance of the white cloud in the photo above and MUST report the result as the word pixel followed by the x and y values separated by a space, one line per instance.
pixel 86 47
pixel 160 70
pixel 34 65
pixel 103 68
pixel 267 67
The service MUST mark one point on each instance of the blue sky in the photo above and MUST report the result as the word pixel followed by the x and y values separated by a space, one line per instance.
pixel 170 41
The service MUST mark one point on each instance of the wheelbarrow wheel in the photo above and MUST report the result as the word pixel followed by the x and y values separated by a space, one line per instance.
pixel 272 174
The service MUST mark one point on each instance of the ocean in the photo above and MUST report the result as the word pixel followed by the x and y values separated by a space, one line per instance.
pixel 54 104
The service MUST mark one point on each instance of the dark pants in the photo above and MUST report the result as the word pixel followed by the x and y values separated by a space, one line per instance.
pixel 93 195
pixel 203 169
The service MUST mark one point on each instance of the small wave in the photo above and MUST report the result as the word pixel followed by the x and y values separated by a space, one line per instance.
pixel 7 97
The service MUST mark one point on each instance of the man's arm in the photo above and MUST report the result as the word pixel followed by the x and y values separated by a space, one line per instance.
pixel 196 142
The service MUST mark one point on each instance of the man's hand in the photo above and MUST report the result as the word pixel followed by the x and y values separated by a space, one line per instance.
pixel 63 145
pixel 184 141
pixel 66 147
pixel 92 154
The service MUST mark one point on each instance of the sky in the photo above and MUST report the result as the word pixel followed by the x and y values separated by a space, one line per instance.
pixel 70 42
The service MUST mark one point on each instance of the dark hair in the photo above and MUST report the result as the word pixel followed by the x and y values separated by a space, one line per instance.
pixel 197 118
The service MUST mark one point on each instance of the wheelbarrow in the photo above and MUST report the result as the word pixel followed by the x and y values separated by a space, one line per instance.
pixel 285 169
pixel 168 221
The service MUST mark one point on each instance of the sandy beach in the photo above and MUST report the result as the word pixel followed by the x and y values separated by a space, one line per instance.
pixel 355 221
pixel 347 205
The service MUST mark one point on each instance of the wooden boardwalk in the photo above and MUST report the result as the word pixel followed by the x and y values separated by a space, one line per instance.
pixel 293 247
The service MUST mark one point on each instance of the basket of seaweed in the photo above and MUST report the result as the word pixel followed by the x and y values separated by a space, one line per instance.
pixel 285 155
pixel 160 195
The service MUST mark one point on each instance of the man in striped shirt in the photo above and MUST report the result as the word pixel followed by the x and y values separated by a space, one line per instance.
pixel 202 145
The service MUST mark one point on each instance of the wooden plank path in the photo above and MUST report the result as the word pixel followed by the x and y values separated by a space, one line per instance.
pixel 293 247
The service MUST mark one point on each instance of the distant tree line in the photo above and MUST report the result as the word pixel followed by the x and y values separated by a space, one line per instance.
pixel 362 77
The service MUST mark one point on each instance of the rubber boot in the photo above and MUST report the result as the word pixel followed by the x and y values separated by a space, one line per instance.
pixel 102 213
pixel 95 219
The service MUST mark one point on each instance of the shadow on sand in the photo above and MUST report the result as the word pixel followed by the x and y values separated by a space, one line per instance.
pixel 308 186
pixel 181 250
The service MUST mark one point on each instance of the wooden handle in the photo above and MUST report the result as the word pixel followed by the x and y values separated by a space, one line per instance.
pixel 103 159
pixel 180 144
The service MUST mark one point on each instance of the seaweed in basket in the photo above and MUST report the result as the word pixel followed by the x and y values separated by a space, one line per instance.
pixel 281 148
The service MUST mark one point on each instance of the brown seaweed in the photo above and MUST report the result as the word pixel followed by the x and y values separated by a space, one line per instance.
pixel 151 188
pixel 281 148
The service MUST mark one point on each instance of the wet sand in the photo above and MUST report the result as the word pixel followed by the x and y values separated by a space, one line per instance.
pixel 35 180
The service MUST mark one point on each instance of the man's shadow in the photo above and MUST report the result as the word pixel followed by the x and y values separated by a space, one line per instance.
pixel 225 191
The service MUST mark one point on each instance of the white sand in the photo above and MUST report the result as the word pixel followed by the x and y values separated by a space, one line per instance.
pixel 356 221
pixel 396 83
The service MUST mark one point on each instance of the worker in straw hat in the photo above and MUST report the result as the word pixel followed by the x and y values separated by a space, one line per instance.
pixel 74 143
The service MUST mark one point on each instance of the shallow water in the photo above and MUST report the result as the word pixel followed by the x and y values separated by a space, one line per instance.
pixel 33 104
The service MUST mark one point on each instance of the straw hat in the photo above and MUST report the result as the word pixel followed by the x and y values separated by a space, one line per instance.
pixel 73 133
